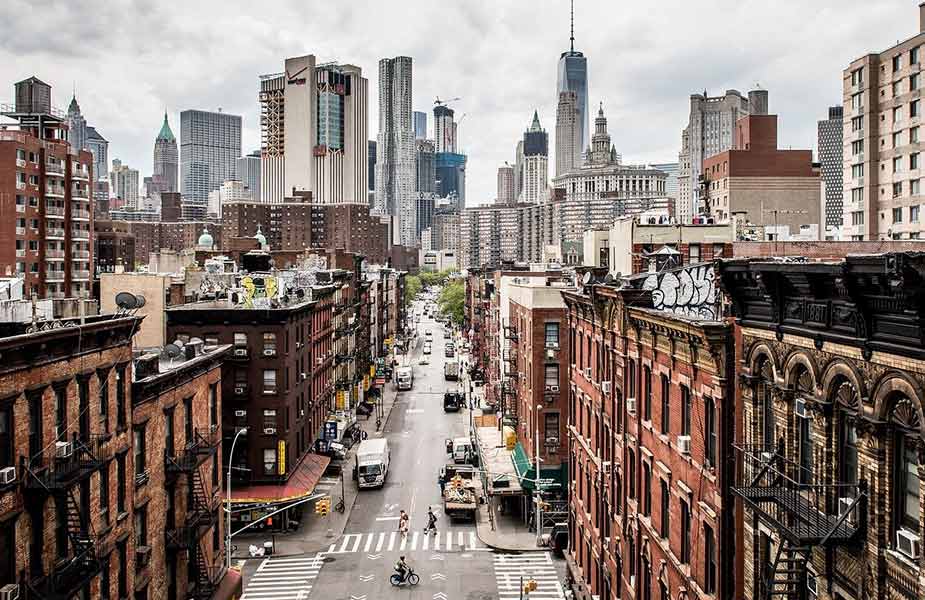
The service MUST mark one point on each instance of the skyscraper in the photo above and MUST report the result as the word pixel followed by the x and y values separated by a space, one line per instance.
pixel 76 126
pixel 166 160
pixel 830 134
pixel 568 133
pixel 395 157
pixel 210 143
pixel 313 121
pixel 248 172
pixel 124 184
pixel 420 125
pixel 99 147
pixel 536 165
pixel 505 194
pixel 709 131
pixel 425 176
pixel 518 169
pixel 573 77
pixel 444 129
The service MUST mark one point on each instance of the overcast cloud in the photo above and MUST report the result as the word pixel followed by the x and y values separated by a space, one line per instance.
pixel 131 59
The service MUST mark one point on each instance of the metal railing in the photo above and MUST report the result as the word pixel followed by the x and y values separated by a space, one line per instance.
pixel 64 463
pixel 81 234
pixel 194 453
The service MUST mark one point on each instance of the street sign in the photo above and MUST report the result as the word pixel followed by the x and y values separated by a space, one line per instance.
pixel 330 430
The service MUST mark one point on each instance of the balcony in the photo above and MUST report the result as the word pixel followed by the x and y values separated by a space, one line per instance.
pixel 73 573
pixel 54 276
pixel 804 513
pixel 80 234
pixel 78 171
pixel 54 254
pixel 79 253
pixel 510 333
pixel 54 232
pixel 83 215
pixel 201 447
pixel 54 211
pixel 63 464
pixel 54 192
pixel 80 274
pixel 80 193
pixel 54 168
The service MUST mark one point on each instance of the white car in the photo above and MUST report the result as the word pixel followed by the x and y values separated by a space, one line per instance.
pixel 425 360
pixel 426 349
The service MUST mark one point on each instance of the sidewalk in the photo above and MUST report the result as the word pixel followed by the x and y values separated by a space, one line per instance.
pixel 315 533
pixel 502 532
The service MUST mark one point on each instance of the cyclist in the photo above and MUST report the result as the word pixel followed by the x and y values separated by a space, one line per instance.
pixel 402 568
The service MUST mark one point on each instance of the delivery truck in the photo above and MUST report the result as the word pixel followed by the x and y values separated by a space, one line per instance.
pixel 372 463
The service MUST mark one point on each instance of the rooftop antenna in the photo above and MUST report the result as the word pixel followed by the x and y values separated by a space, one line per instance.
pixel 572 38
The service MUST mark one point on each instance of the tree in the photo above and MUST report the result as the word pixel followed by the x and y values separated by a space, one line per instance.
pixel 412 288
pixel 452 301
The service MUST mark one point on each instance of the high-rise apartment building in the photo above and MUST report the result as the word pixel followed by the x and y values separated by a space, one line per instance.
pixel 371 162
pixel 505 193
pixel 45 188
pixel 568 133
pixel 573 77
pixel 420 125
pixel 210 143
pixel 709 131
pixel 99 148
pixel 123 182
pixel 248 172
pixel 830 133
pixel 518 168
pixel 166 160
pixel 395 148
pixel 425 174
pixel 882 164
pixel 671 181
pixel 314 138
pixel 444 129
pixel 536 162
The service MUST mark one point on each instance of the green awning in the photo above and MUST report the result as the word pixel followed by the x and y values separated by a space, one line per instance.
pixel 526 471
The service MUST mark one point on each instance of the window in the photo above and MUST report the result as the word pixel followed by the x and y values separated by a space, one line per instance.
pixel 897 114
pixel 666 404
pixel 857 170
pixel 913 135
pixel 269 461
pixel 269 419
pixel 213 405
pixel 139 453
pixel 897 140
pixel 551 426
pixel 551 374
pixel 914 161
pixel 647 394
pixel 857 194
pixel 895 87
pixel 123 568
pixel 61 413
pixel 240 340
pixel 120 482
pixel 269 344
pixel 897 164
pixel 857 146
pixel 709 433
pixel 631 379
pixel 685 532
pixel 805 432
pixel 897 212
pixel 552 335
pixel 120 398
pixel 849 450
pixel 694 250
pixel 269 381
pixel 141 526
pixel 914 210
pixel 36 424
pixel 188 416
pixel 857 124
pixel 908 487
pixel 61 526
pixel 709 549
pixel 6 435
pixel 914 55
pixel 104 401
pixel 914 108
pixel 666 509
pixel 857 76
pixel 915 189
pixel 685 410
pixel 857 217
pixel 631 473
pixel 897 62
pixel 105 579
pixel 104 493
pixel 646 489
pixel 913 82
pixel 857 101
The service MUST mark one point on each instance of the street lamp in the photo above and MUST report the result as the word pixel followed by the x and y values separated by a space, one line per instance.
pixel 228 498
pixel 536 486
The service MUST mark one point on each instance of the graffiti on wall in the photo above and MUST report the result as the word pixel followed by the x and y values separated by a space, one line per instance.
pixel 689 291
pixel 258 291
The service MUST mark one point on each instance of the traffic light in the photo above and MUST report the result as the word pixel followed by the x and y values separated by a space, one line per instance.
pixel 323 507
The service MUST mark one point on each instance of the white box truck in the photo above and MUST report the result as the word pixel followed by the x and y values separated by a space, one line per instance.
pixel 372 463
pixel 404 378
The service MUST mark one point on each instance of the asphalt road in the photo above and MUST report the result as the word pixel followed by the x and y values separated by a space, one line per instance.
pixel 453 564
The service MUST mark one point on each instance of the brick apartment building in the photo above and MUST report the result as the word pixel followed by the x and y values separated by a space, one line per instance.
pixel 113 245
pixel 83 507
pixel 651 409
pixel 831 453
pixel 757 183
pixel 177 236
pixel 45 191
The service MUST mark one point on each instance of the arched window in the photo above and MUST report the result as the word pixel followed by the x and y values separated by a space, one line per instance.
pixel 847 403
pixel 766 402
pixel 804 390
pixel 904 418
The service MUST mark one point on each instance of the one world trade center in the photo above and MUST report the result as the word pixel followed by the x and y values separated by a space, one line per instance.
pixel 573 77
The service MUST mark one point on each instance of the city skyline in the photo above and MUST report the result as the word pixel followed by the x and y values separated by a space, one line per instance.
pixel 646 113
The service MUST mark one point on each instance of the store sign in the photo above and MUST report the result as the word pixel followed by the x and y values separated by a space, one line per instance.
pixel 330 430
pixel 281 454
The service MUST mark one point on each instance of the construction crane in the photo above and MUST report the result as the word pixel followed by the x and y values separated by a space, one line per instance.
pixel 439 102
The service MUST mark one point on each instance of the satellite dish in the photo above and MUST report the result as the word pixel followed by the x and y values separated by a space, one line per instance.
pixel 608 279
pixel 172 350
pixel 178 343
pixel 140 301
pixel 195 340
pixel 586 280
pixel 126 300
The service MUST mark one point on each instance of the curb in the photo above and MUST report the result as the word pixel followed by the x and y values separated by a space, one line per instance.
pixel 478 534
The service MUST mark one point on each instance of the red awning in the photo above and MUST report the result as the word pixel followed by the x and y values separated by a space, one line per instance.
pixel 301 483
pixel 230 586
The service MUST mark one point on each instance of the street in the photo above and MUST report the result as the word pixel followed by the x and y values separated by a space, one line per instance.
pixel 453 564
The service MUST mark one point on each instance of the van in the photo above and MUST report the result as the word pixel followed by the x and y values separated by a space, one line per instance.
pixel 460 449
pixel 404 378
pixel 372 463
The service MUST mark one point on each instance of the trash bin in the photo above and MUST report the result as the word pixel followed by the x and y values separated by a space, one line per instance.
pixel 268 548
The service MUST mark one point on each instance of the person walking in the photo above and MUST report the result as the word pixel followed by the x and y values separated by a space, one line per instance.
pixel 431 522
pixel 403 523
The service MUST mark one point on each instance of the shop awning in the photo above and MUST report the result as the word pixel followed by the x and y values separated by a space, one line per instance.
pixel 301 483
pixel 526 471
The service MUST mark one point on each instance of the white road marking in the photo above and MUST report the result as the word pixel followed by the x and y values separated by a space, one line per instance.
pixel 451 541
pixel 283 579
pixel 387 518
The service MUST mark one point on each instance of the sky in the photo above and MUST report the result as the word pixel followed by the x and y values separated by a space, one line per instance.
pixel 130 60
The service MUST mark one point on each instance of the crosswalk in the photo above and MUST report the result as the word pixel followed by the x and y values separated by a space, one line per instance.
pixel 283 578
pixel 392 541
pixel 510 568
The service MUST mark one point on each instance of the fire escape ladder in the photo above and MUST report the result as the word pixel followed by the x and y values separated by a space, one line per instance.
pixel 787 576
pixel 77 530
pixel 204 584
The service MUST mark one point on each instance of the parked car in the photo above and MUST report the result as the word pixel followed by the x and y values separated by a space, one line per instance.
pixel 426 349
pixel 558 539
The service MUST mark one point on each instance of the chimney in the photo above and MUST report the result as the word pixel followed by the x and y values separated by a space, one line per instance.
pixel 921 17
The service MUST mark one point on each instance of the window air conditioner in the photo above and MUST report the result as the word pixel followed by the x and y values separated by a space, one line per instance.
pixel 631 406
pixel 142 554
pixel 811 584
pixel 844 506
pixel 239 390
pixel 552 388
pixel 269 431
pixel 588 373
pixel 63 449
pixel 269 352
pixel 799 408
pixel 240 413
pixel 605 387
pixel 304 376
pixel 319 360
pixel 7 475
pixel 10 592
pixel 907 543
pixel 240 351
pixel 684 444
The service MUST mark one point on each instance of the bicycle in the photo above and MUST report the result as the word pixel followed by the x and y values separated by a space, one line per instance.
pixel 340 507
pixel 412 578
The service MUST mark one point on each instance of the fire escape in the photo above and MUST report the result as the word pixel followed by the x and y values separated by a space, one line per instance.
pixel 509 407
pixel 201 512
pixel 804 514
pixel 59 471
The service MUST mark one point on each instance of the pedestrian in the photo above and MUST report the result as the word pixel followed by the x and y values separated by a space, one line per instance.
pixel 431 522
pixel 403 523
pixel 441 481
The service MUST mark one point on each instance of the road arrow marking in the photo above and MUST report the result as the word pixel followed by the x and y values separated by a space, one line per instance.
pixel 439 596
pixel 466 555
pixel 367 577
pixel 363 597
pixel 373 556
pixel 437 577
pixel 437 557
